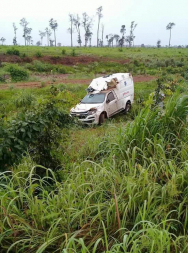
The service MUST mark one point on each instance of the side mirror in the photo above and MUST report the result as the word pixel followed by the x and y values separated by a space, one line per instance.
pixel 108 101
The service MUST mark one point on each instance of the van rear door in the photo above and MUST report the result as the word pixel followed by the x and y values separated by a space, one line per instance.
pixel 111 104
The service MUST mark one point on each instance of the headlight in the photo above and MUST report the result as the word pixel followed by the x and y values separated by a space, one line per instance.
pixel 92 111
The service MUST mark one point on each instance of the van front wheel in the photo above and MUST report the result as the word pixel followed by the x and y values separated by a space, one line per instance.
pixel 127 107
pixel 101 119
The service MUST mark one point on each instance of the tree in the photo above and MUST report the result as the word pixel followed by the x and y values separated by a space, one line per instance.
pixel 71 28
pixel 76 22
pixel 48 34
pixel 38 43
pixel 51 43
pixel 107 39
pixel 130 38
pixel 15 37
pixel 26 30
pixel 159 43
pixel 53 24
pixel 110 39
pixel 99 14
pixel 2 40
pixel 42 35
pixel 28 39
pixel 133 26
pixel 116 37
pixel 87 24
pixel 169 27
pixel 122 31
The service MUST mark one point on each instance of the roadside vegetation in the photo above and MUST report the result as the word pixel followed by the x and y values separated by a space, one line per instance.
pixel 119 187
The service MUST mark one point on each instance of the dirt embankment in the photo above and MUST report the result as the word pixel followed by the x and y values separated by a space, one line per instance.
pixel 64 79
pixel 65 60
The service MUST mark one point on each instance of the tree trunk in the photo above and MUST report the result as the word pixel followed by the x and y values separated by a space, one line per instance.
pixel 170 38
pixel 102 35
pixel 98 33
pixel 55 37
pixel 71 34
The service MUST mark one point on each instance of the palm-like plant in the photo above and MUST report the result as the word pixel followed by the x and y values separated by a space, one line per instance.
pixel 169 27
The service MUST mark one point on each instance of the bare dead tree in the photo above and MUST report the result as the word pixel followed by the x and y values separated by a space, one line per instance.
pixel 53 24
pixel 42 35
pixel 169 27
pixel 71 28
pixel 26 29
pixel 99 14
pixel 48 34
pixel 15 37
pixel 87 23
pixel 77 24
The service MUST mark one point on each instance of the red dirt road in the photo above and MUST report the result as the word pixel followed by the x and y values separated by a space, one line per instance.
pixel 64 80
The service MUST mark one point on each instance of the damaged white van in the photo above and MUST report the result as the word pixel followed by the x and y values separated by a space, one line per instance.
pixel 107 96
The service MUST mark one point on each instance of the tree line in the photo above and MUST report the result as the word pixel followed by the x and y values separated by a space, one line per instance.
pixel 84 22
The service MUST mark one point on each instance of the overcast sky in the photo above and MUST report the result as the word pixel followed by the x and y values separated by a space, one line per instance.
pixel 152 17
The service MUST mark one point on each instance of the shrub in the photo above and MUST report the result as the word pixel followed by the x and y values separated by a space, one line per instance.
pixel 24 99
pixel 17 73
pixel 13 51
pixel 40 66
pixel 2 79
pixel 63 51
pixel 62 70
pixel 186 75
pixel 73 53
pixel 37 131
pixel 24 55
pixel 38 54
pixel 120 50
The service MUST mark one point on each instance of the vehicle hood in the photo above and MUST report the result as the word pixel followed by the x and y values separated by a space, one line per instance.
pixel 84 107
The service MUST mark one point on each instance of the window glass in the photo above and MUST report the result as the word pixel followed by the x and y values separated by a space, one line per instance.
pixel 110 97
pixel 93 99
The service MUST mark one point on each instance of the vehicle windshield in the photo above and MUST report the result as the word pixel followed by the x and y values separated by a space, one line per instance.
pixel 93 99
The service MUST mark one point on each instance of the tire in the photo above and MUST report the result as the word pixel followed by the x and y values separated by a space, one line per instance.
pixel 102 119
pixel 127 107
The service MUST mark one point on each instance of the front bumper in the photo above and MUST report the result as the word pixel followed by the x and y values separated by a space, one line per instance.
pixel 85 118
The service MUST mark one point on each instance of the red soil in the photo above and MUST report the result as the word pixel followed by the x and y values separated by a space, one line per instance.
pixel 65 60
pixel 63 79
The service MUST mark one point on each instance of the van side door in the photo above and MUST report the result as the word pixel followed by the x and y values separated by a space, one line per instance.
pixel 111 104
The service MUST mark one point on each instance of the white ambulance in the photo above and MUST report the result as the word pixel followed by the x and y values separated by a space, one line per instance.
pixel 106 97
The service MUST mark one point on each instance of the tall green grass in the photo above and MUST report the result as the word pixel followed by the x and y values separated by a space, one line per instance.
pixel 131 196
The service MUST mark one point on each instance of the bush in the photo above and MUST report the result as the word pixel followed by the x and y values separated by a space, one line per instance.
pixel 38 54
pixel 73 53
pixel 63 51
pixel 24 99
pixel 62 70
pixel 39 66
pixel 37 131
pixel 13 51
pixel 2 79
pixel 24 55
pixel 186 75
pixel 17 73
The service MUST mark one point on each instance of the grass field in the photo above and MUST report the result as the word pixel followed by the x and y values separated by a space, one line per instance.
pixel 66 187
